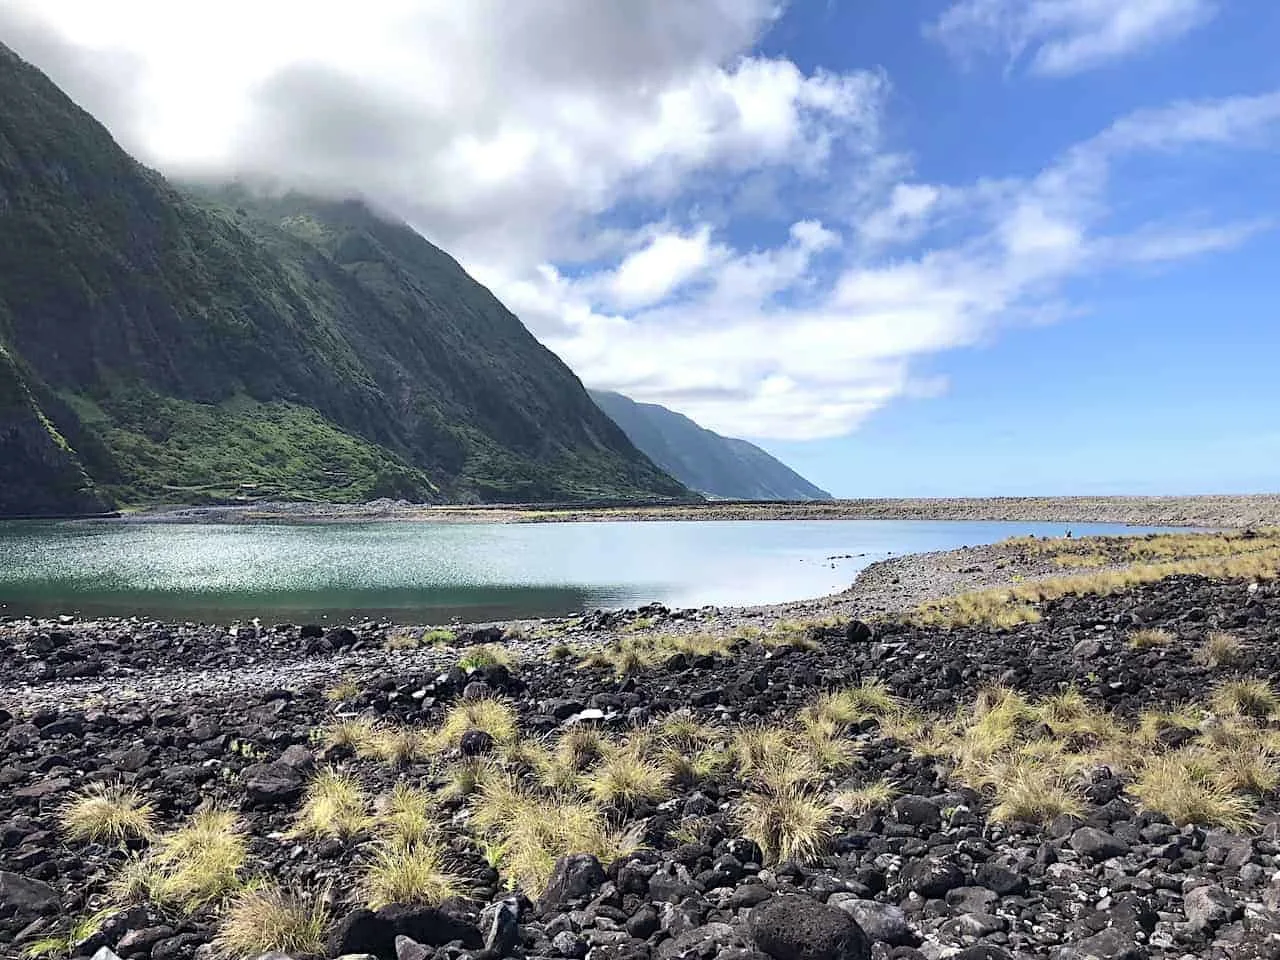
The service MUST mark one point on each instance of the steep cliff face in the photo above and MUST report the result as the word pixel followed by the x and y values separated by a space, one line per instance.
pixel 40 475
pixel 203 345
pixel 703 460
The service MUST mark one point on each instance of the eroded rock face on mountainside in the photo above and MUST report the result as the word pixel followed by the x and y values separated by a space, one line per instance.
pixel 40 475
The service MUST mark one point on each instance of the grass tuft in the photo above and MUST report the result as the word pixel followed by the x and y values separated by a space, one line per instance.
pixel 493 715
pixel 198 864
pixel 869 796
pixel 334 806
pixel 397 745
pixel 788 824
pixel 1150 638
pixel 272 919
pixel 1030 791
pixel 1245 698
pixel 354 735
pixel 108 813
pixel 406 818
pixel 346 689
pixel 1220 649
pixel 624 778
pixel 408 874
pixel 523 833
pixel 1184 788
pixel 486 655
pixel 415 640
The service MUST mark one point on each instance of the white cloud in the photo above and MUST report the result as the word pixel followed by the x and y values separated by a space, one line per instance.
pixel 904 216
pixel 1063 37
pixel 680 218
pixel 668 262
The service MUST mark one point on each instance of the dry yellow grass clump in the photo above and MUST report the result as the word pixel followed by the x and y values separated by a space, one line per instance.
pixel 108 813
pixel 1141 559
pixel 487 655
pixel 197 864
pixel 1151 637
pixel 345 689
pixel 869 796
pixel 355 734
pixel 493 715
pixel 625 777
pixel 1220 649
pixel 408 874
pixel 397 745
pixel 1183 787
pixel 406 639
pixel 1032 759
pixel 334 806
pixel 273 919
pixel 793 823
pixel 524 831
pixel 406 816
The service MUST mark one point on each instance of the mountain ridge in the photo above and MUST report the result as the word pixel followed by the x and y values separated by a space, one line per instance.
pixel 703 460
pixel 215 345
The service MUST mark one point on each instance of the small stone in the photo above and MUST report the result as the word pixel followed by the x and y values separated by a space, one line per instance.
pixel 1207 908
pixel 931 877
pixel 1097 844
pixel 881 922
pixel 568 944
pixel 643 923
pixel 917 811
pixel 501 921
pixel 473 743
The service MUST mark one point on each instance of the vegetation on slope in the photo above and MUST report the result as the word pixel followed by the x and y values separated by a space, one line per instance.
pixel 309 347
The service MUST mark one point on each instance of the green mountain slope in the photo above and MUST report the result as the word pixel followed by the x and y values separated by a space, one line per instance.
pixel 702 460
pixel 205 346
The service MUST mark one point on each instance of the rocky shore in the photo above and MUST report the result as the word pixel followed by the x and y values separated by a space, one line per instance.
pixel 882 835
pixel 1191 511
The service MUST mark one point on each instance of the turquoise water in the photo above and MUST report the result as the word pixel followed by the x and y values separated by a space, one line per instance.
pixel 428 573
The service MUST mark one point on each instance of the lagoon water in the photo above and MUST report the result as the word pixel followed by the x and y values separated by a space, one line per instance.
pixel 429 573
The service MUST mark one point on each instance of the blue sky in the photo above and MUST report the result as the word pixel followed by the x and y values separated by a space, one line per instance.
pixel 919 247
pixel 1164 382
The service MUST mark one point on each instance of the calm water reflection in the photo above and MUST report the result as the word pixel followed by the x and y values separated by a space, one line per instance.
pixel 419 572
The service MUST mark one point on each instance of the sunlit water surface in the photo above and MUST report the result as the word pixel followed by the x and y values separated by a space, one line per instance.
pixel 423 573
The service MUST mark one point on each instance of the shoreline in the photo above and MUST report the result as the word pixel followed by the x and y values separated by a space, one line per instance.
pixel 885 588
pixel 921 851
pixel 1210 510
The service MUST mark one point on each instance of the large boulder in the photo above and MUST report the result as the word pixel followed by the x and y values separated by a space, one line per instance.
pixel 798 928
pixel 362 931
pixel 272 784
pixel 575 877
pixel 1097 844
pixel 25 897
pixel 429 926
pixel 931 877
